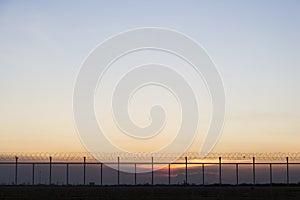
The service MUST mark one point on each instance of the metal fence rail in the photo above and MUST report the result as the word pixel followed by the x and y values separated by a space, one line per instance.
pixel 184 162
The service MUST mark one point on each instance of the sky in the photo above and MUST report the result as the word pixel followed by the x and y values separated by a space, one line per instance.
pixel 254 44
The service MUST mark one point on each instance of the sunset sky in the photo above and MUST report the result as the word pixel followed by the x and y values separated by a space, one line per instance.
pixel 254 44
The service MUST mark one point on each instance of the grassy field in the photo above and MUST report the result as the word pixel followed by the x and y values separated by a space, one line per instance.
pixel 150 192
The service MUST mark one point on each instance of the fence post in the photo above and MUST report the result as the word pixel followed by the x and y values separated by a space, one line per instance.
pixel 118 170
pixel 253 168
pixel 203 174
pixel 186 170
pixel 287 171
pixel 67 174
pixel 134 173
pixel 50 170
pixel 271 174
pixel 16 171
pixel 32 173
pixel 101 173
pixel 237 173
pixel 84 169
pixel 152 171
pixel 169 174
pixel 220 171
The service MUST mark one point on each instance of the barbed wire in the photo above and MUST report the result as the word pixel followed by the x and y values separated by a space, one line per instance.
pixel 77 156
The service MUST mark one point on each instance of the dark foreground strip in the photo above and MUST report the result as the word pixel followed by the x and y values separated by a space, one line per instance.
pixel 150 192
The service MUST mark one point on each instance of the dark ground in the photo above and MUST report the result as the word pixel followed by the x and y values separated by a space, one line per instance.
pixel 150 192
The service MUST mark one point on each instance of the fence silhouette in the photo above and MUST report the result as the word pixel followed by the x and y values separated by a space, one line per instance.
pixel 239 160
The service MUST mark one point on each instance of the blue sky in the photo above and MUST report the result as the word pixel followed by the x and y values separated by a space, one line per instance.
pixel 255 45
